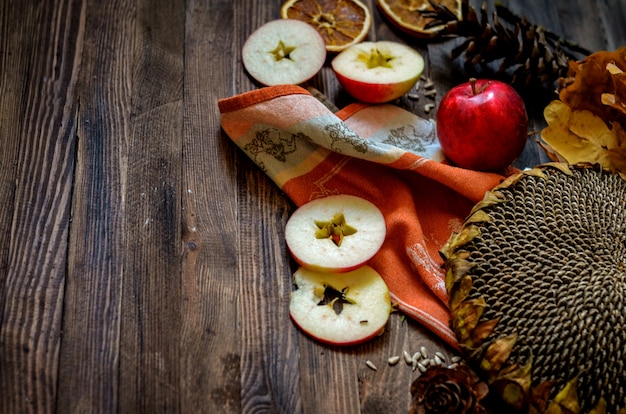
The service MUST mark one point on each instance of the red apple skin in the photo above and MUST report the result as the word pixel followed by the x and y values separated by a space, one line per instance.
pixel 483 131
pixel 326 269
pixel 337 343
pixel 375 93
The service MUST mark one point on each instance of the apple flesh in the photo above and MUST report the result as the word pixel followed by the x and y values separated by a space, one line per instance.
pixel 482 125
pixel 284 51
pixel 335 234
pixel 377 72
pixel 340 309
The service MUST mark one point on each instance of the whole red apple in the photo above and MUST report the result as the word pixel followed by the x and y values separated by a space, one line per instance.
pixel 482 125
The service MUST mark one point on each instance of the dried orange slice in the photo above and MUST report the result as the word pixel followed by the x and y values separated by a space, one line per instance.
pixel 409 16
pixel 342 23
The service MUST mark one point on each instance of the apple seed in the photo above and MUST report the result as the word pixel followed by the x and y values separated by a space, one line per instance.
pixel 335 299
pixel 335 229
pixel 282 51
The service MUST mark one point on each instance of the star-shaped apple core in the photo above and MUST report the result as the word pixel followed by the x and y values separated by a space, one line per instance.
pixel 376 58
pixel 335 229
pixel 282 51
pixel 335 298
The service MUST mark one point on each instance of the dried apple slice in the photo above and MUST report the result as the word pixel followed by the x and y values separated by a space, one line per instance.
pixel 284 51
pixel 340 309
pixel 335 234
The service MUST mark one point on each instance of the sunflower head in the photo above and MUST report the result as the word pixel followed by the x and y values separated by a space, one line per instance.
pixel 537 287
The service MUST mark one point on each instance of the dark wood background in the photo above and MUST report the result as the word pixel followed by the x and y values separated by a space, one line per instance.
pixel 142 262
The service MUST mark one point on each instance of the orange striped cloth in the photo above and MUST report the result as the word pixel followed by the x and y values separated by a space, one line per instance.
pixel 382 153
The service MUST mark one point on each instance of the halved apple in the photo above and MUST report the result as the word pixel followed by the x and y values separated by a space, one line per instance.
pixel 337 233
pixel 340 309
pixel 284 51
pixel 377 72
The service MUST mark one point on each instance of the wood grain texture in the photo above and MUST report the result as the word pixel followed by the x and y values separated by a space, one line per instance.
pixel 142 261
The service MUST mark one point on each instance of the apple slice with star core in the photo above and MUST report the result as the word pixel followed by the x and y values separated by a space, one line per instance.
pixel 340 309
pixel 284 51
pixel 377 72
pixel 334 234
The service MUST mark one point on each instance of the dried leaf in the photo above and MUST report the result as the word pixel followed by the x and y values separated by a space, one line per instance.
pixel 617 154
pixel 591 79
pixel 483 330
pixel 580 136
pixel 466 317
pixel 511 393
pixel 540 396
pixel 616 98
pixel 460 292
pixel 497 353
pixel 600 407
pixel 566 401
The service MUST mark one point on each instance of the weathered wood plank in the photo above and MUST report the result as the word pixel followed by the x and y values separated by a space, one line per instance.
pixel 211 363
pixel 269 354
pixel 38 130
pixel 90 355
pixel 150 346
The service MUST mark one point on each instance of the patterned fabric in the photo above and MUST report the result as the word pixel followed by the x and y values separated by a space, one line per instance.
pixel 382 153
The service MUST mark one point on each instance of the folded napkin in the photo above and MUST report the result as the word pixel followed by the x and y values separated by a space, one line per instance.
pixel 382 153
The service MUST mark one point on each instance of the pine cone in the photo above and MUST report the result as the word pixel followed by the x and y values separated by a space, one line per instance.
pixel 529 53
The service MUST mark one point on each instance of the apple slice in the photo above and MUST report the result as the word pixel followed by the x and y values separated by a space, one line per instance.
pixel 284 51
pixel 340 309
pixel 377 72
pixel 336 233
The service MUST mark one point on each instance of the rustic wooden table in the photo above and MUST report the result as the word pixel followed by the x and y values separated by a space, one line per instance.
pixel 142 261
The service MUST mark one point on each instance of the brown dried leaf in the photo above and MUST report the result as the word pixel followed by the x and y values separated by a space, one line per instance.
pixel 497 353
pixel 540 395
pixel 592 79
pixel 616 98
pixel 483 330
pixel 466 317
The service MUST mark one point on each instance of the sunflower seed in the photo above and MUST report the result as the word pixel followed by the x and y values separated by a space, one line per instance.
pixel 416 355
pixel 413 96
pixel 455 358
pixel 437 361
pixel 421 367
pixel 371 365
pixel 424 352
pixel 440 355
pixel 453 365
pixel 430 93
pixel 428 83
pixel 407 357
pixel 393 360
